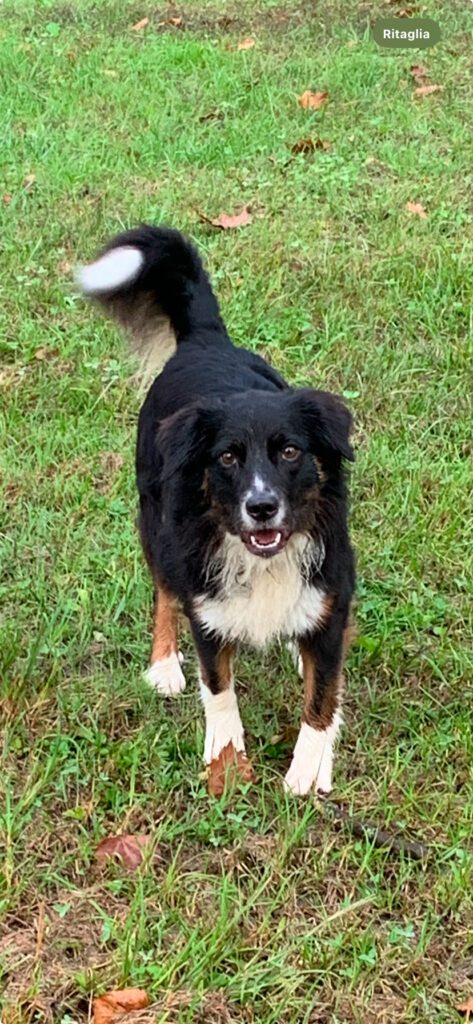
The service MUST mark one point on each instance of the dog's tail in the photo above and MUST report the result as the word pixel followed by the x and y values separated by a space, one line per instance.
pixel 153 282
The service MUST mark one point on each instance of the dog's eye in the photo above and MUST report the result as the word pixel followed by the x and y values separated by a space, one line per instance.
pixel 290 453
pixel 227 458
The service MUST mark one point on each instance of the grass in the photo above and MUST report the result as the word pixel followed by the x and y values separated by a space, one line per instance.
pixel 254 908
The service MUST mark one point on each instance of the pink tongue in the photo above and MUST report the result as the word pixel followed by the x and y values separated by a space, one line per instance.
pixel 265 536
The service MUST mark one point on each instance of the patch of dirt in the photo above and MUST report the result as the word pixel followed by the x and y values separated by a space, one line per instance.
pixel 41 959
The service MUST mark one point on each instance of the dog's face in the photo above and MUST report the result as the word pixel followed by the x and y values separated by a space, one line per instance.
pixel 262 460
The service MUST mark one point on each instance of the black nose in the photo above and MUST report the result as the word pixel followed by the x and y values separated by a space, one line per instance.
pixel 262 507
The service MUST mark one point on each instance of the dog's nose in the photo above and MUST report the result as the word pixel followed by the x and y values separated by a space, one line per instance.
pixel 262 506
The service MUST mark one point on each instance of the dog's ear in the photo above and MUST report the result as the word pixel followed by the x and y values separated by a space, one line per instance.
pixel 184 438
pixel 327 423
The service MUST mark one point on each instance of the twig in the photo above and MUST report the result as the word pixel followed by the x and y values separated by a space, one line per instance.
pixel 378 836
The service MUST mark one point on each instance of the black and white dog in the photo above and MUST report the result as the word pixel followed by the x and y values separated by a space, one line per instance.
pixel 243 514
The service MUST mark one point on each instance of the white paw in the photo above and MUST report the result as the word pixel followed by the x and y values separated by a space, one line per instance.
pixel 166 677
pixel 223 724
pixel 293 649
pixel 311 766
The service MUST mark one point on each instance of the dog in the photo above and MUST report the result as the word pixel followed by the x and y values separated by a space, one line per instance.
pixel 242 499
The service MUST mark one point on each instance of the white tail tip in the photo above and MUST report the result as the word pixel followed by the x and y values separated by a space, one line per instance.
pixel 118 267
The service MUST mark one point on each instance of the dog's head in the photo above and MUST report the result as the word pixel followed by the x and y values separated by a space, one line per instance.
pixel 262 460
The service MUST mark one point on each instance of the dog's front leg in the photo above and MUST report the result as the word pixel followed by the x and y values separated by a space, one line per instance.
pixel 322 655
pixel 224 749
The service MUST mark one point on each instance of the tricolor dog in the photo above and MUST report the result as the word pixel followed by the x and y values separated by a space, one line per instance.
pixel 242 490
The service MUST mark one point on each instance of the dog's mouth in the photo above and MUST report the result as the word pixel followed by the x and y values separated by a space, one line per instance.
pixel 265 542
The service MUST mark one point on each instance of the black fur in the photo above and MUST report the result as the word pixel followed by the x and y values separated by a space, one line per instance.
pixel 213 398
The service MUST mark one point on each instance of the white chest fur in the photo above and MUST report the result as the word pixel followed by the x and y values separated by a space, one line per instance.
pixel 261 599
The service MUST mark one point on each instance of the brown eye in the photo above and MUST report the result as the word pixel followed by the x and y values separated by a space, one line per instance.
pixel 227 459
pixel 290 453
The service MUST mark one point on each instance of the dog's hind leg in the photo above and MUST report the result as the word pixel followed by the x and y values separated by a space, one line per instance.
pixel 165 673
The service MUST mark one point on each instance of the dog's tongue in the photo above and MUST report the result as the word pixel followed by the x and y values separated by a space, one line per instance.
pixel 265 536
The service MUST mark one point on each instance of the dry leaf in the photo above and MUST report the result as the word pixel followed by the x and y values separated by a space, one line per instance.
pixel 6 198
pixel 406 12
pixel 44 352
pixel 312 100
pixel 416 208
pixel 212 115
pixel 466 1007
pixel 108 1007
pixel 29 182
pixel 427 90
pixel 128 849
pixel 140 25
pixel 308 145
pixel 246 44
pixel 227 767
pixel 176 22
pixel 232 220
pixel 418 71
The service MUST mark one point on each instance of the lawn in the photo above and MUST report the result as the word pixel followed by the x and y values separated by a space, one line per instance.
pixel 255 908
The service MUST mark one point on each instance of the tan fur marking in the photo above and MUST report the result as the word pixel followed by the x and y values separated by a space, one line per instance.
pixel 332 699
pixel 164 625
pixel 223 665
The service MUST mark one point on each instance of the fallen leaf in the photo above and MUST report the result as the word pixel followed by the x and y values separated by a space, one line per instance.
pixel 308 145
pixel 6 198
pixel 140 25
pixel 312 100
pixel 44 353
pixel 229 766
pixel 232 220
pixel 65 267
pixel 427 90
pixel 466 1007
pixel 246 44
pixel 128 849
pixel 29 182
pixel 418 71
pixel 212 115
pixel 416 208
pixel 108 1007
pixel 176 22
pixel 406 12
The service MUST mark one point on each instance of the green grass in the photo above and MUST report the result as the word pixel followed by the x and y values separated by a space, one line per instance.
pixel 254 908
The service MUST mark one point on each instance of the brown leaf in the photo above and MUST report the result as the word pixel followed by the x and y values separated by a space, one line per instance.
pixel 246 44
pixel 140 25
pixel 418 71
pixel 466 1007
pixel 108 1007
pixel 44 353
pixel 227 221
pixel 308 145
pixel 427 90
pixel 128 849
pixel 6 198
pixel 176 22
pixel 229 766
pixel 212 115
pixel 416 208
pixel 312 100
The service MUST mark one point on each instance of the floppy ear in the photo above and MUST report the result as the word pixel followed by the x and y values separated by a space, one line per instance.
pixel 327 421
pixel 183 438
